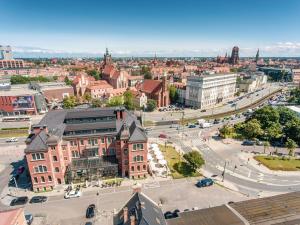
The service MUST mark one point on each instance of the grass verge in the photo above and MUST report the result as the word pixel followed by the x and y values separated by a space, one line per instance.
pixel 279 163
pixel 178 167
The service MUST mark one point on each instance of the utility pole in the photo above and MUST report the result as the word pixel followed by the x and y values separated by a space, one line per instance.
pixel 223 174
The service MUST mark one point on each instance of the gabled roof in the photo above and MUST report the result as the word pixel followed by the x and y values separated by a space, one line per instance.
pixel 146 211
pixel 150 86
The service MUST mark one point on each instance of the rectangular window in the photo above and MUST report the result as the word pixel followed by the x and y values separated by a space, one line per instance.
pixel 42 179
pixel 56 169
pixel 103 151
pixel 37 156
pixel 40 169
pixel 81 142
pixel 75 154
pixel 102 140
pixel 54 158
pixel 49 178
pixel 137 147
pixel 35 180
pixel 64 147
pixel 53 148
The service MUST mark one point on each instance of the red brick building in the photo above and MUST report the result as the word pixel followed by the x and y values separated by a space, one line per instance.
pixel 156 90
pixel 85 144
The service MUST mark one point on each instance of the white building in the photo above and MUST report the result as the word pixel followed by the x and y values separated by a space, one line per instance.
pixel 256 81
pixel 208 90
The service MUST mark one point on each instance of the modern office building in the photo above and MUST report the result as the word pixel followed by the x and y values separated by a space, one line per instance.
pixel 6 59
pixel 296 76
pixel 208 90
pixel 85 144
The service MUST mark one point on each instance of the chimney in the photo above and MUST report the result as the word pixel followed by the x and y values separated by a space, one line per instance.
pixel 125 214
pixel 137 188
pixel 132 220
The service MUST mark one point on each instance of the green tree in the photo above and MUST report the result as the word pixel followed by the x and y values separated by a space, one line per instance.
pixel 286 115
pixel 273 131
pixel 266 116
pixel 194 160
pixel 115 101
pixel 291 145
pixel 68 81
pixel 252 129
pixel 173 94
pixel 94 73
pixel 129 100
pixel 151 105
pixel 226 131
pixel 69 102
pixel 87 97
pixel 96 103
pixel 292 130
pixel 146 72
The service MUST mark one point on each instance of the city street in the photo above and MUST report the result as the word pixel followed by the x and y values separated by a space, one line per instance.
pixel 246 176
pixel 191 113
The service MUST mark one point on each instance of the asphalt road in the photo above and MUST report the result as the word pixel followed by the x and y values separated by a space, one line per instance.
pixel 190 113
pixel 247 178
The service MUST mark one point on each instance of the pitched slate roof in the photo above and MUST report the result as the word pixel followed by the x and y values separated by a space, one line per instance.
pixel 144 209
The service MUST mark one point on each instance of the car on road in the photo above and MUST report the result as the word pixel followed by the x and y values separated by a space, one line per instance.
pixel 216 121
pixel 203 110
pixel 90 211
pixel 192 126
pixel 19 201
pixel 29 218
pixel 248 143
pixel 205 182
pixel 162 136
pixel 89 223
pixel 73 194
pixel 168 215
pixel 12 139
pixel 38 199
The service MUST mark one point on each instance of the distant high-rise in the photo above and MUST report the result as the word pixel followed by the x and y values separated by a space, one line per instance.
pixel 257 56
pixel 234 59
pixel 5 52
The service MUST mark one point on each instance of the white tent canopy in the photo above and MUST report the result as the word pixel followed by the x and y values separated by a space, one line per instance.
pixel 162 162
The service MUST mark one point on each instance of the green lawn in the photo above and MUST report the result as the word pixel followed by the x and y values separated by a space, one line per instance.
pixel 177 166
pixel 279 163
pixel 9 135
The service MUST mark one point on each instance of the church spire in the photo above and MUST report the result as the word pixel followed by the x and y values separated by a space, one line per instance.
pixel 257 56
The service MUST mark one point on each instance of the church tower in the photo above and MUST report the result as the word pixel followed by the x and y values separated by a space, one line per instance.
pixel 257 56
pixel 107 58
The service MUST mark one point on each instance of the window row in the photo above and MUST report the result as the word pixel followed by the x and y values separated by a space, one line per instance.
pixel 40 169
pixel 138 168
pixel 138 158
pixel 37 156
pixel 43 180
pixel 93 141
pixel 138 147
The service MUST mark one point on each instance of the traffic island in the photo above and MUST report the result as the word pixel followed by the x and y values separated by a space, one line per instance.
pixel 283 163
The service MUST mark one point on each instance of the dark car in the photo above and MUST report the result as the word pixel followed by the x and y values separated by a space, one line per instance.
pixel 19 201
pixel 203 110
pixel 217 121
pixel 88 223
pixel 38 199
pixel 168 215
pixel 205 182
pixel 176 213
pixel 192 126
pixel 248 143
pixel 90 211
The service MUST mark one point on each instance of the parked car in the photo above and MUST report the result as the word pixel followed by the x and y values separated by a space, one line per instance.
pixel 192 126
pixel 13 139
pixel 162 136
pixel 20 169
pixel 216 121
pixel 73 194
pixel 203 110
pixel 168 215
pixel 38 199
pixel 259 143
pixel 19 201
pixel 248 143
pixel 29 218
pixel 90 211
pixel 205 182
pixel 175 212
pixel 89 223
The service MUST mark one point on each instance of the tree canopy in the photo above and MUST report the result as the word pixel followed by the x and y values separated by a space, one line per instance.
pixel 129 100
pixel 151 105
pixel 18 79
pixel 194 160
pixel 94 73
pixel 173 94
pixel 115 101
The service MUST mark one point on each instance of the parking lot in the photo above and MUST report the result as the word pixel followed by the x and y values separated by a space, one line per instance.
pixel 173 194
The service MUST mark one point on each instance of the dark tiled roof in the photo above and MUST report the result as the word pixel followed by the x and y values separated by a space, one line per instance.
pixel 89 126
pixel 90 112
pixel 270 210
pixel 220 215
pixel 144 209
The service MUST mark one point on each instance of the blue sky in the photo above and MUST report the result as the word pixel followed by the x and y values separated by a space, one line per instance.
pixel 168 27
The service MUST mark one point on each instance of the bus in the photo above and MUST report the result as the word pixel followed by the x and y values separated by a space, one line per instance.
pixel 16 118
